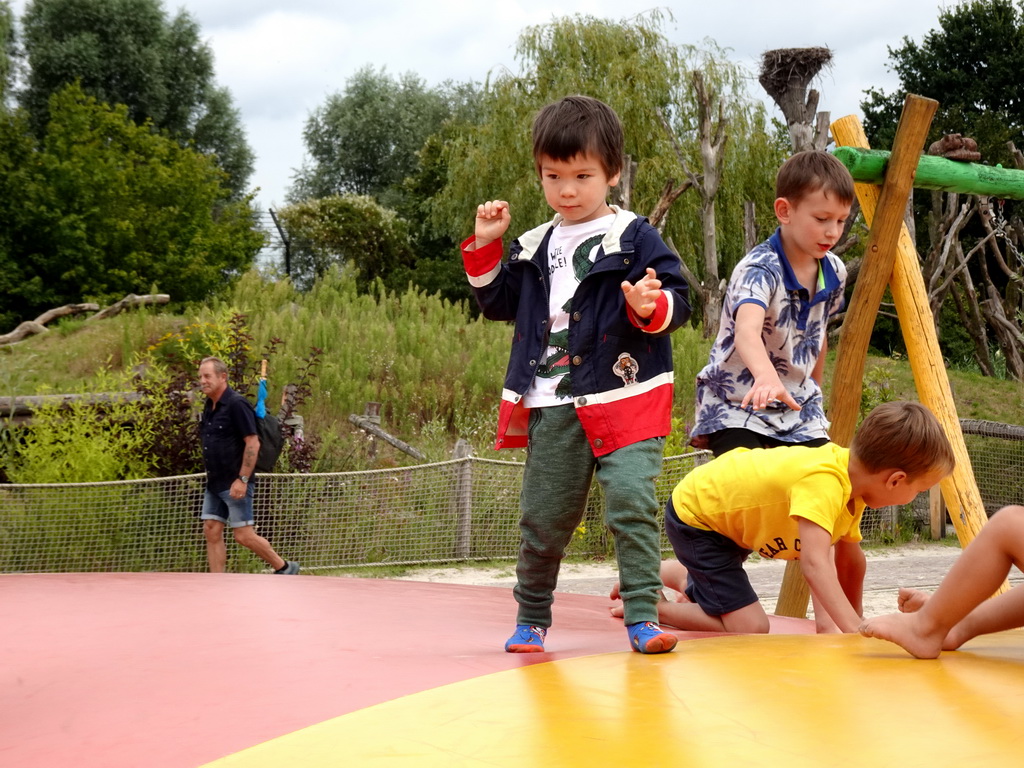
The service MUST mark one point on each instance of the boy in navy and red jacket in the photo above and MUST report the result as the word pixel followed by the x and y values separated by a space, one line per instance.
pixel 588 390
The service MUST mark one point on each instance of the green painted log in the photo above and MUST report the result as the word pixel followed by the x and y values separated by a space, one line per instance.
pixel 868 166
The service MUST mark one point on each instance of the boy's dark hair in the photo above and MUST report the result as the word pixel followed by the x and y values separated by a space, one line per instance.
pixel 807 172
pixel 902 435
pixel 575 125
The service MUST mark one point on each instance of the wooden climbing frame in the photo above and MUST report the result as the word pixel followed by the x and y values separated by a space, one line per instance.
pixel 883 182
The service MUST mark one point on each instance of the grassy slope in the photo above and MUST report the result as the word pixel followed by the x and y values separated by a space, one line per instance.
pixel 68 358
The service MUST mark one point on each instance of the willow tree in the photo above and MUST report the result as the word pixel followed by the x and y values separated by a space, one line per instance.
pixel 6 50
pixel 649 82
pixel 629 65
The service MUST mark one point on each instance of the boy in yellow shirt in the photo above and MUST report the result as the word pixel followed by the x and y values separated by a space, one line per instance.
pixel 791 503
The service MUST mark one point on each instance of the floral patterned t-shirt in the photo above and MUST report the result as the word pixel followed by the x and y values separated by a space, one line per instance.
pixel 793 334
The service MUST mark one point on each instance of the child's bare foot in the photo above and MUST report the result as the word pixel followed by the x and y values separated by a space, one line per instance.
pixel 911 600
pixel 905 630
pixel 617 610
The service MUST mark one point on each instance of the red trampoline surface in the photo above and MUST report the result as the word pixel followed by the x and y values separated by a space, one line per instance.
pixel 177 670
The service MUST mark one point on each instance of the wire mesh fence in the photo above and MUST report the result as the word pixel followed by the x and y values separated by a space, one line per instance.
pixel 460 510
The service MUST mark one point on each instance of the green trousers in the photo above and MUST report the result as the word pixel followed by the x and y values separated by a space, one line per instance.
pixel 556 481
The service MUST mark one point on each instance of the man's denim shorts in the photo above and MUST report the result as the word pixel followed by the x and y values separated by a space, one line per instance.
pixel 237 513
pixel 715 578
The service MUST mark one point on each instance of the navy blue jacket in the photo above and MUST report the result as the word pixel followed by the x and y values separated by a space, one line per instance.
pixel 622 379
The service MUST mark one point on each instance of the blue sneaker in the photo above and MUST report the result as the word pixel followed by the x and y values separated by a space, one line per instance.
pixel 648 637
pixel 290 568
pixel 527 639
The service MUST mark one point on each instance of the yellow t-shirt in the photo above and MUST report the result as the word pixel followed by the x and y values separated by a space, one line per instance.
pixel 754 497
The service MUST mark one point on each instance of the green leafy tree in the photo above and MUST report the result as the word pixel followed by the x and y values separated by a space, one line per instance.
pixel 128 52
pixel 104 207
pixel 971 65
pixel 630 66
pixel 364 140
pixel 351 230
pixel 6 50
pixel 380 138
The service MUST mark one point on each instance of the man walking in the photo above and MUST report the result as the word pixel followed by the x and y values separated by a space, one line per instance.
pixel 230 447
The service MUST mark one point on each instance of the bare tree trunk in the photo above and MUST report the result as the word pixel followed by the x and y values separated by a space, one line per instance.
pixel 712 153
pixel 622 193
pixel 713 138
pixel 668 196
pixel 749 227
pixel 32 327
pixel 785 75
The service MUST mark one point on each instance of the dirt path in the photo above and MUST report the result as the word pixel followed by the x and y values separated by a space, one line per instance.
pixel 911 565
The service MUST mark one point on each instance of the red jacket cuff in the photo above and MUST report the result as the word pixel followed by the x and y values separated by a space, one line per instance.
pixel 658 318
pixel 480 261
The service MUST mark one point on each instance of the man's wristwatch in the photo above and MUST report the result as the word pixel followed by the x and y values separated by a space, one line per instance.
pixel 244 478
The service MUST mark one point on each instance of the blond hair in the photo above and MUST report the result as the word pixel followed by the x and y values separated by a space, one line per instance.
pixel 902 435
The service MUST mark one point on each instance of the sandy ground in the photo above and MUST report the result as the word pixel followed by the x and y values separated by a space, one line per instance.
pixel 912 565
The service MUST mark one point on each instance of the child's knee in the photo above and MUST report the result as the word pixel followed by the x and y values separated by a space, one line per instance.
pixel 751 620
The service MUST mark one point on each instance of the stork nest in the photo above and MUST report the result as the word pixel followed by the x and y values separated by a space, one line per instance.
pixel 786 68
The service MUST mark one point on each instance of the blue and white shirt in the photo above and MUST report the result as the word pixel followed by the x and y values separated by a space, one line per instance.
pixel 793 335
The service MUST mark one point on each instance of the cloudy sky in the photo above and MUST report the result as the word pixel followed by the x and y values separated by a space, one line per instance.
pixel 282 58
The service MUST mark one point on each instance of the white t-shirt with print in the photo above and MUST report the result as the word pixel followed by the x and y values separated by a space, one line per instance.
pixel 571 252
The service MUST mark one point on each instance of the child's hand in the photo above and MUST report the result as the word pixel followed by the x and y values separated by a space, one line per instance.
pixel 643 295
pixel 492 220
pixel 766 391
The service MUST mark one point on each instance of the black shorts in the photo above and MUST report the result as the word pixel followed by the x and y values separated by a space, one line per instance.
pixel 736 437
pixel 715 578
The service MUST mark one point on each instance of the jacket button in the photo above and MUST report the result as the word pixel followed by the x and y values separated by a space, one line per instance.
pixel 577 360
pixel 581 401
pixel 533 363
pixel 576 316
pixel 513 257
pixel 598 443
pixel 625 261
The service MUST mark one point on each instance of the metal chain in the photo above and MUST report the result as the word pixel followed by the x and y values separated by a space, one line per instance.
pixel 1002 230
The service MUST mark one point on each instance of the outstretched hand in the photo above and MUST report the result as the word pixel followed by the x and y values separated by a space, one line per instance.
pixel 643 295
pixel 768 393
pixel 492 220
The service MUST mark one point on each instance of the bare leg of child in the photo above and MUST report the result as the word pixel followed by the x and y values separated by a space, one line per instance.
pixel 750 619
pixel 682 614
pixel 673 576
pixel 959 610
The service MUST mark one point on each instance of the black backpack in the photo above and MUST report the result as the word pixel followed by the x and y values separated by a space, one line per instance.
pixel 268 429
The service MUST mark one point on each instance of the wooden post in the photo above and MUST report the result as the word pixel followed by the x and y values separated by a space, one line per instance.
pixel 463 499
pixel 879 255
pixel 937 514
pixel 883 213
pixel 910 296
